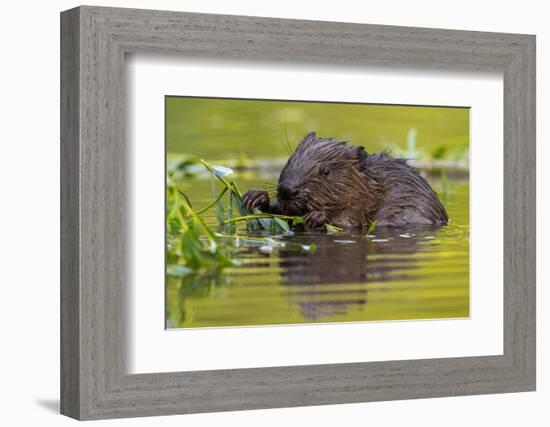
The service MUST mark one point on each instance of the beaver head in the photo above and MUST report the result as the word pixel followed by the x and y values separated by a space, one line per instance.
pixel 328 175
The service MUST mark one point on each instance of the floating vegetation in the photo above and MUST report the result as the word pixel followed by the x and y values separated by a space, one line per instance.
pixel 256 220
pixel 193 246
pixel 197 247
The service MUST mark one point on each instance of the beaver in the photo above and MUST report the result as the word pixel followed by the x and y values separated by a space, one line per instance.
pixel 331 182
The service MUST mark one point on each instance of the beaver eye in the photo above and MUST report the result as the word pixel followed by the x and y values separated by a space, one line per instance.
pixel 325 171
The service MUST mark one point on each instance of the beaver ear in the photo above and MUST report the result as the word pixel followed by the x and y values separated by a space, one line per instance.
pixel 362 156
pixel 310 137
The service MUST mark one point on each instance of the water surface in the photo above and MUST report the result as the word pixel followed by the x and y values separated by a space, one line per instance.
pixel 394 274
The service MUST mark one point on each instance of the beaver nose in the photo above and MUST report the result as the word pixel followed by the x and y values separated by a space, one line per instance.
pixel 286 191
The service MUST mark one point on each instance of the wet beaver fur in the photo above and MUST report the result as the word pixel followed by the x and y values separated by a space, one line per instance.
pixel 331 182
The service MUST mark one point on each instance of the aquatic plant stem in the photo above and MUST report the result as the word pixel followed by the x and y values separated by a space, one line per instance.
pixel 259 216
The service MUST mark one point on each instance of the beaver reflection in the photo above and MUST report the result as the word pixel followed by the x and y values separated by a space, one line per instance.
pixel 333 280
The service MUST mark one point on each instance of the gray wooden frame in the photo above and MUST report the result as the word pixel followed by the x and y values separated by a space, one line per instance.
pixel 94 382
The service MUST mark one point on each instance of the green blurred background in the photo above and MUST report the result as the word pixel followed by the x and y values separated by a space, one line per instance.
pixel 224 128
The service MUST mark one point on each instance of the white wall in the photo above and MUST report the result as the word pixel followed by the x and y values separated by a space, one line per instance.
pixel 29 212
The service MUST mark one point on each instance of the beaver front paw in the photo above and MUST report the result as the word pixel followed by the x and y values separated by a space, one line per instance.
pixel 315 219
pixel 256 199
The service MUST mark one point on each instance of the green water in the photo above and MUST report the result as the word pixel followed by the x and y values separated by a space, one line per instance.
pixel 394 274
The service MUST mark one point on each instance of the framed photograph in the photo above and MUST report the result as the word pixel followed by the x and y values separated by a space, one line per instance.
pixel 262 213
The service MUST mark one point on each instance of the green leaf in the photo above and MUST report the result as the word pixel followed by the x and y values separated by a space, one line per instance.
pixel 265 221
pixel 371 229
pixel 333 229
pixel 282 224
